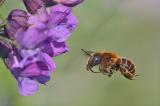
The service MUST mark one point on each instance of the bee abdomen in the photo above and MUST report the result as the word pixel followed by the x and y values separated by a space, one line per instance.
pixel 128 64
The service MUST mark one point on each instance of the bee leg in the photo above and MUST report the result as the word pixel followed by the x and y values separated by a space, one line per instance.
pixel 115 68
pixel 90 69
pixel 105 71
pixel 126 73
pixel 110 72
pixel 93 71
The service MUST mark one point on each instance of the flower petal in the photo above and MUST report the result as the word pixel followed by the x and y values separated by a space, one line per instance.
pixel 43 79
pixel 55 48
pixel 58 14
pixel 33 69
pixel 71 3
pixel 13 59
pixel 27 86
pixel 59 33
pixel 39 20
pixel 31 38
pixel 44 57
pixel 59 48
pixel 43 66
pixel 72 22
pixel 38 71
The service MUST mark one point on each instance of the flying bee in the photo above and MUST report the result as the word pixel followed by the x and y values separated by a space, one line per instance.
pixel 110 63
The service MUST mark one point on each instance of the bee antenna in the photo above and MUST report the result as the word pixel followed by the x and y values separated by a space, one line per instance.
pixel 87 52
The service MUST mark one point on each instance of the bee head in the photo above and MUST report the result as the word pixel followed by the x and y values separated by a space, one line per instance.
pixel 95 58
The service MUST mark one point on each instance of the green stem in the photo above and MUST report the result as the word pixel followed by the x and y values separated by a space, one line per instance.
pixel 2 24
pixel 2 33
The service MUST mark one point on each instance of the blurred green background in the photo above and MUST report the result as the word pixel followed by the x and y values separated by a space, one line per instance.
pixel 128 27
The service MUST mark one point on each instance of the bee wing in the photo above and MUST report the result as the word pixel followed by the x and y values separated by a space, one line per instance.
pixel 2 1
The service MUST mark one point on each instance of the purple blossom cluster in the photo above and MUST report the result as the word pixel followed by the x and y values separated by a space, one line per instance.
pixel 34 38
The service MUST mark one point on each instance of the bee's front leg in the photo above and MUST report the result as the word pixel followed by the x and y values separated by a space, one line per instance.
pixel 89 68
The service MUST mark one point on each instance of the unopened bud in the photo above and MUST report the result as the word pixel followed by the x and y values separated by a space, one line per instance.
pixel 70 3
pixel 17 19
pixel 50 3
pixel 33 5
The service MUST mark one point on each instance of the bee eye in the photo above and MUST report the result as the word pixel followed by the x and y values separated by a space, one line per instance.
pixel 97 60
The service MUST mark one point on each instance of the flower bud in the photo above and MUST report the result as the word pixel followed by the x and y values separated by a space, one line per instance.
pixel 33 5
pixel 50 3
pixel 16 20
pixel 70 3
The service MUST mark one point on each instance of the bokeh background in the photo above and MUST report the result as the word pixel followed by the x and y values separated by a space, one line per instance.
pixel 128 27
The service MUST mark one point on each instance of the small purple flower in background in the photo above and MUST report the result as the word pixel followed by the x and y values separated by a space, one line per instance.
pixel 39 35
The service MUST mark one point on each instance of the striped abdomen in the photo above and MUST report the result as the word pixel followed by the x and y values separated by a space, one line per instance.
pixel 127 68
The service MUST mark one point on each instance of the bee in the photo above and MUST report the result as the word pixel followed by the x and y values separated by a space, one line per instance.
pixel 110 63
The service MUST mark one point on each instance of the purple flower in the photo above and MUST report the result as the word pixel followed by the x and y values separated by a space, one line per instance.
pixel 38 36
pixel 30 68
pixel 56 26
